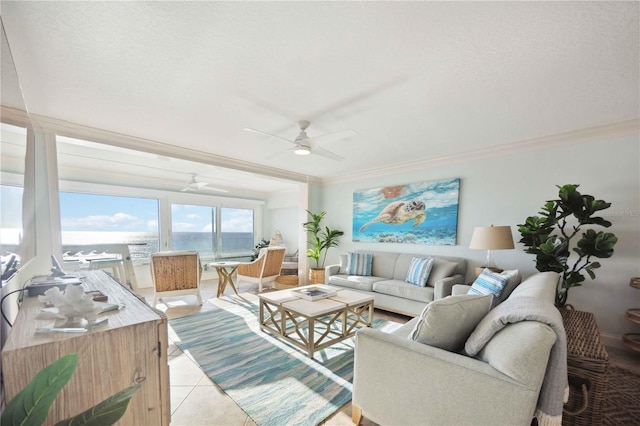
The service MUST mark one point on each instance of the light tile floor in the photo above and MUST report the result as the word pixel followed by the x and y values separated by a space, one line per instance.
pixel 197 401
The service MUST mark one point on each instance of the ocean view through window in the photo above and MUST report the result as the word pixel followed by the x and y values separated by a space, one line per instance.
pixel 89 219
pixel 106 219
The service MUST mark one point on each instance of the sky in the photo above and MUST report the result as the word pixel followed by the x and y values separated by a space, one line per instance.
pixel 85 212
pixel 105 213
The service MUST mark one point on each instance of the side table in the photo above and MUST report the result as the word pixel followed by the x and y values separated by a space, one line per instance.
pixel 587 365
pixel 225 272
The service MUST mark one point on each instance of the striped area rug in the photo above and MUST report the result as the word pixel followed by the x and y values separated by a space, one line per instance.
pixel 273 382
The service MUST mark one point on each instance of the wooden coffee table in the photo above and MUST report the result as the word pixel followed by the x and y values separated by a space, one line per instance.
pixel 314 325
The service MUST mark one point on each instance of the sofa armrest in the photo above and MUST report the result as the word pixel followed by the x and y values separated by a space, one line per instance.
pixel 399 381
pixel 460 289
pixel 330 270
pixel 444 286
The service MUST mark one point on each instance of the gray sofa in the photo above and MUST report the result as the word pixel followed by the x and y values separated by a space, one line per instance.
pixel 387 281
pixel 401 381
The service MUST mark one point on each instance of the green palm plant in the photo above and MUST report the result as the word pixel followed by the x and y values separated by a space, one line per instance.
pixel 319 239
pixel 31 405
pixel 548 237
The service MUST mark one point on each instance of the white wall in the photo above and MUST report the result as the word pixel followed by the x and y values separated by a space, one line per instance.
pixel 504 190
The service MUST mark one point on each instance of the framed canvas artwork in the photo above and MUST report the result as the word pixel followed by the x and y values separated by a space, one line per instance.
pixel 415 213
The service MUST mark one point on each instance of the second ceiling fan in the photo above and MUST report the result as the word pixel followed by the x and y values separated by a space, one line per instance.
pixel 304 145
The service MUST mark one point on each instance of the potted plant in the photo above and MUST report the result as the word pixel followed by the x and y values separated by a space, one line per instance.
pixel 256 249
pixel 320 240
pixel 549 236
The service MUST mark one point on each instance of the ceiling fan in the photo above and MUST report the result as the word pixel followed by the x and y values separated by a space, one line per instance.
pixel 194 185
pixel 304 145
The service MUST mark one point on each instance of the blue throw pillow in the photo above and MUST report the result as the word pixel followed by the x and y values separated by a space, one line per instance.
pixel 488 282
pixel 359 263
pixel 419 270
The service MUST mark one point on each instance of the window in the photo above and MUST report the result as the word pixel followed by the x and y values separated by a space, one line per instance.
pixel 105 219
pixel 194 228
pixel 236 230
pixel 12 165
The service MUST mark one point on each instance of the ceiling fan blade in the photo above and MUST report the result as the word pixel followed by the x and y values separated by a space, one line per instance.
pixel 335 136
pixel 198 185
pixel 267 134
pixel 209 188
pixel 327 154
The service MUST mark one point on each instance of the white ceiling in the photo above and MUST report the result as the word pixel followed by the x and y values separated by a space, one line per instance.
pixel 415 80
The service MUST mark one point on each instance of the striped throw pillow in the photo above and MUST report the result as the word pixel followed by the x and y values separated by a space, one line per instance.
pixel 488 282
pixel 419 270
pixel 359 263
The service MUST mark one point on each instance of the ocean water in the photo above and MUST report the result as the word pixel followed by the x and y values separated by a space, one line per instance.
pixel 143 244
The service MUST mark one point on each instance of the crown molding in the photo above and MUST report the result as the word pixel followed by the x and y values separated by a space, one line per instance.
pixel 606 131
pixel 74 130
pixel 14 116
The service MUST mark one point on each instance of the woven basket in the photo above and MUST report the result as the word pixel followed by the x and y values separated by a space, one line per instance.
pixel 287 279
pixel 587 364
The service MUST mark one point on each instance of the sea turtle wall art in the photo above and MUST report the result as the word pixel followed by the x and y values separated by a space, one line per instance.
pixel 415 213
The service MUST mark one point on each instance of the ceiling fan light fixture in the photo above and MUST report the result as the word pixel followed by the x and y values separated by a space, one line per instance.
pixel 302 150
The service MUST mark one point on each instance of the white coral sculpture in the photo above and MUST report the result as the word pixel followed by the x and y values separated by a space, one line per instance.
pixel 72 305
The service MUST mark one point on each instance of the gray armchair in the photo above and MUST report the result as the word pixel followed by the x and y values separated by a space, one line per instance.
pixel 401 381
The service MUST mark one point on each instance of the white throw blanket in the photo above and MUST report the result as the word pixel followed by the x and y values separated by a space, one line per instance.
pixel 555 387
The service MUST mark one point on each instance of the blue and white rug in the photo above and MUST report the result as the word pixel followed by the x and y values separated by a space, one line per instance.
pixel 273 382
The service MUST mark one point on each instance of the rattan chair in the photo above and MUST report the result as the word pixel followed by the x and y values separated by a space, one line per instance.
pixel 265 269
pixel 176 273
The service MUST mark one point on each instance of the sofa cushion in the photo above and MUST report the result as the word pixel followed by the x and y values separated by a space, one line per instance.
pixel 384 264
pixel 354 281
pixel 447 323
pixel 419 270
pixel 402 289
pixel 488 282
pixel 359 263
pixel 440 269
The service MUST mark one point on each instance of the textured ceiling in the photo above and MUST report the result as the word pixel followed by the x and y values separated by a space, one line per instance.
pixel 415 80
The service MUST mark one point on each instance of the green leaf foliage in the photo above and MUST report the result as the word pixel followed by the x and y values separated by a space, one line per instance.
pixel 31 406
pixel 548 237
pixel 320 240
pixel 105 413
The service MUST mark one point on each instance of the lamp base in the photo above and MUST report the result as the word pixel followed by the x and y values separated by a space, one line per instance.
pixel 478 270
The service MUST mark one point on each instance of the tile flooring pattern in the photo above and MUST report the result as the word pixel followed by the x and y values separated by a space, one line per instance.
pixel 197 401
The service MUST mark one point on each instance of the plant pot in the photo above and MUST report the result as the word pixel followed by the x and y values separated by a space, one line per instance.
pixel 316 276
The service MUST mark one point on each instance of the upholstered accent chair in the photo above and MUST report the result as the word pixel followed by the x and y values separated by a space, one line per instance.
pixel 265 269
pixel 176 273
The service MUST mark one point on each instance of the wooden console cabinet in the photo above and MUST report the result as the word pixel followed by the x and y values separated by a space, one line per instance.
pixel 131 348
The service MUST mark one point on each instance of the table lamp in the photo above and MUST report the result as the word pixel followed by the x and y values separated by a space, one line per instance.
pixel 491 238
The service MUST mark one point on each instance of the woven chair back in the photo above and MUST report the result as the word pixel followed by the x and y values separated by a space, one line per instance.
pixel 175 270
pixel 273 262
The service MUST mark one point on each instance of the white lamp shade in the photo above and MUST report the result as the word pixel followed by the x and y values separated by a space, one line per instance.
pixel 491 238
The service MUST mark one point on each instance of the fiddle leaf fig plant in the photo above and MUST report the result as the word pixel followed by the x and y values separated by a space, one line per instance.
pixel 320 239
pixel 31 405
pixel 549 237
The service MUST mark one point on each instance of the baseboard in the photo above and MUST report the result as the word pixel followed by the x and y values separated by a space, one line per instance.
pixel 613 341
